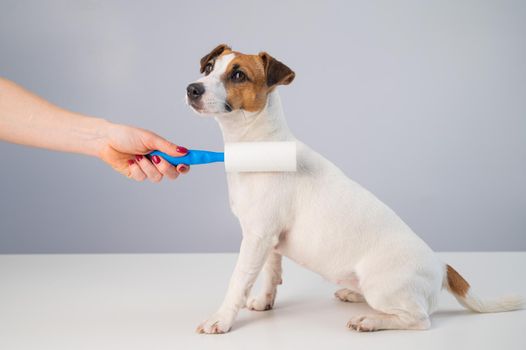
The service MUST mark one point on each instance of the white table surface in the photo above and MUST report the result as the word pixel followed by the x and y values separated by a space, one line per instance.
pixel 146 301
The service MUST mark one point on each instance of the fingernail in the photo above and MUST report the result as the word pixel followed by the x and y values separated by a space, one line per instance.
pixel 181 149
pixel 156 159
pixel 183 168
pixel 138 157
pixel 131 161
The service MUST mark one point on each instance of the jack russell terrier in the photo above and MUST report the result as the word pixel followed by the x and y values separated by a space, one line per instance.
pixel 316 216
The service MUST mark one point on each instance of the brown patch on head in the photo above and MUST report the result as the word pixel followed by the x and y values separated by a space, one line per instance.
pixel 210 57
pixel 456 283
pixel 260 75
pixel 249 93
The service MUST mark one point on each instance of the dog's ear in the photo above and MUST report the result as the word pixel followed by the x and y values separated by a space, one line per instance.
pixel 276 72
pixel 213 54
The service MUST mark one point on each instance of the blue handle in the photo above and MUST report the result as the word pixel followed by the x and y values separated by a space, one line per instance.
pixel 193 157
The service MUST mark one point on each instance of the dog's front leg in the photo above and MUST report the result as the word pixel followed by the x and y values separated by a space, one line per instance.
pixel 271 279
pixel 253 253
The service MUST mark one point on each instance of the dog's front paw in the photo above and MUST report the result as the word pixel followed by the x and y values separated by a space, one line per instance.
pixel 262 302
pixel 216 324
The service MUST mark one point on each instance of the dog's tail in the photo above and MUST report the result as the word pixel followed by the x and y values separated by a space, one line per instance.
pixel 461 289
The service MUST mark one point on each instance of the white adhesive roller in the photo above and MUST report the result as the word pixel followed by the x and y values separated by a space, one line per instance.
pixel 244 157
pixel 260 156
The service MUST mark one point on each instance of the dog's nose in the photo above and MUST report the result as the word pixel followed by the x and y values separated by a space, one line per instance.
pixel 195 90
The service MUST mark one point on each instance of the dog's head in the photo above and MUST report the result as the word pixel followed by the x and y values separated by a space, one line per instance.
pixel 235 81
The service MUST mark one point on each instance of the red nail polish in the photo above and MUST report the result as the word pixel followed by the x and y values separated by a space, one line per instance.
pixel 181 149
pixel 183 168
pixel 156 159
pixel 131 161
pixel 138 157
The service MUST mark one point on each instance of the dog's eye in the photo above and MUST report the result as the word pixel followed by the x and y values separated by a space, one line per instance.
pixel 208 68
pixel 238 76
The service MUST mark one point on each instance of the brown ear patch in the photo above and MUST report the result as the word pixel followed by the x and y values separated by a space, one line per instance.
pixel 457 284
pixel 276 72
pixel 212 55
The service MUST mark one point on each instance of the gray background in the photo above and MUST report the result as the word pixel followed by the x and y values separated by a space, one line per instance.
pixel 422 102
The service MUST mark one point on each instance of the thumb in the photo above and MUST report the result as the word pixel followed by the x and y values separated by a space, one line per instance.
pixel 165 146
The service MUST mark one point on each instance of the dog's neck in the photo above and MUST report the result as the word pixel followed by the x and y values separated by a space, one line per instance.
pixel 266 125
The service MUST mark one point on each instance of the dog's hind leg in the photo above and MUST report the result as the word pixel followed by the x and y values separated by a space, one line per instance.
pixel 271 279
pixel 400 309
pixel 399 320
pixel 349 296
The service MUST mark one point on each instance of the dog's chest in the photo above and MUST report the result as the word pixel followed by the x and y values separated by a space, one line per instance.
pixel 263 193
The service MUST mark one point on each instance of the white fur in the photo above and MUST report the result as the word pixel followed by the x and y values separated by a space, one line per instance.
pixel 328 223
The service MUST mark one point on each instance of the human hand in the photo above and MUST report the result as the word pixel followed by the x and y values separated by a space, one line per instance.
pixel 125 148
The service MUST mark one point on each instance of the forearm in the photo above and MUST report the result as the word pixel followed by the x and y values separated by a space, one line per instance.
pixel 29 120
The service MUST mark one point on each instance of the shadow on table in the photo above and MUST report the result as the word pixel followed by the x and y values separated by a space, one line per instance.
pixel 304 305
pixel 314 306
pixel 441 317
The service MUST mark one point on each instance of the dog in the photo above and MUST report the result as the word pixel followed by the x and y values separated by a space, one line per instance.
pixel 315 216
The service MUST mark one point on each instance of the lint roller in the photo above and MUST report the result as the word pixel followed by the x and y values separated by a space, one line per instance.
pixel 243 157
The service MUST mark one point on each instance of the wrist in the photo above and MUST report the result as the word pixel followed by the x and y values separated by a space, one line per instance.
pixel 98 133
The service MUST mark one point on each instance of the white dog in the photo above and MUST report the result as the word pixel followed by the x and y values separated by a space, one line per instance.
pixel 316 216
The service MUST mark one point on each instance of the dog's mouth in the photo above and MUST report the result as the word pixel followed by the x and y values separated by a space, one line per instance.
pixel 196 106
pixel 210 107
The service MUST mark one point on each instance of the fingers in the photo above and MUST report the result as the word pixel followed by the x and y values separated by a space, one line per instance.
pixel 156 142
pixel 135 171
pixel 143 168
pixel 183 168
pixel 165 168
pixel 150 170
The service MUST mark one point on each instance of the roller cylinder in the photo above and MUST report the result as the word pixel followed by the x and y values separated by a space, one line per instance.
pixel 260 156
